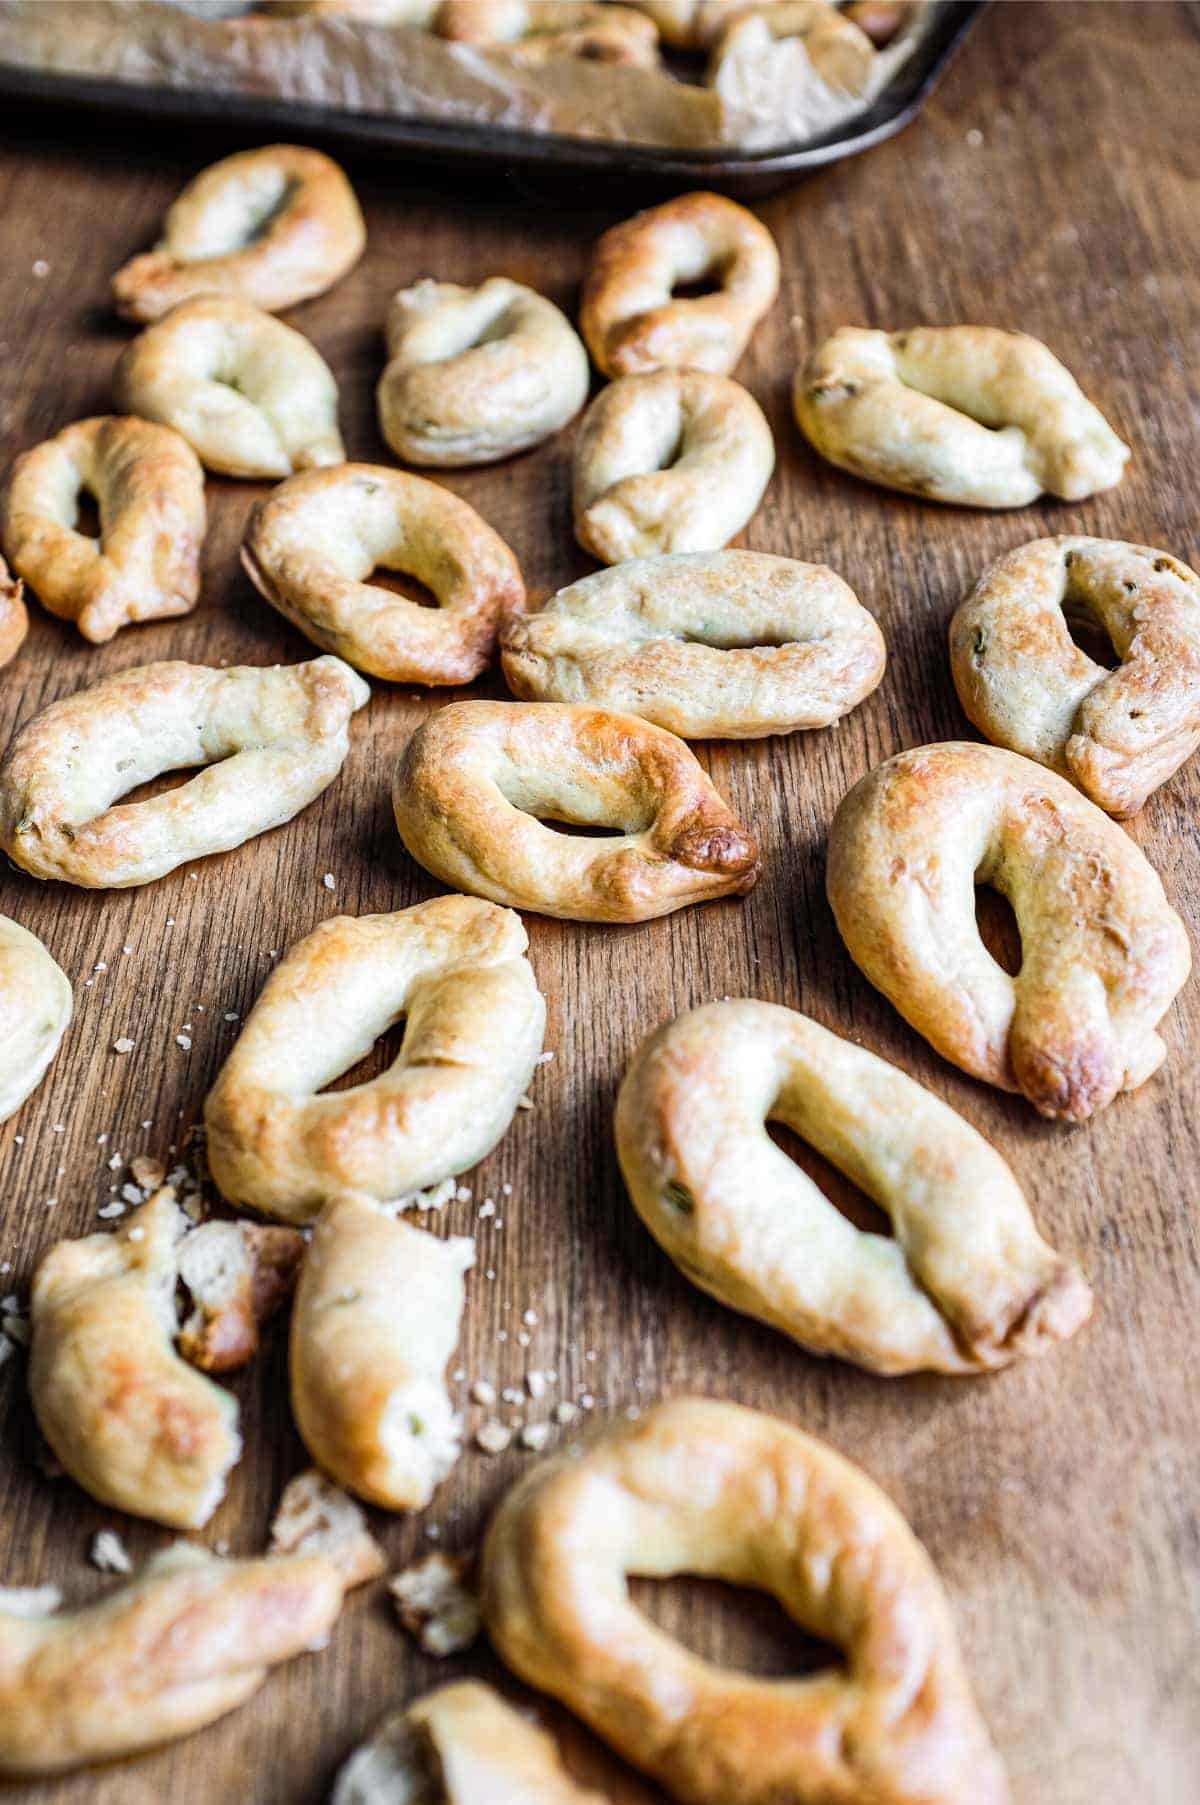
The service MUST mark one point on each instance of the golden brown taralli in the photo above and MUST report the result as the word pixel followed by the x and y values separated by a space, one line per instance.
pixel 542 31
pixel 14 617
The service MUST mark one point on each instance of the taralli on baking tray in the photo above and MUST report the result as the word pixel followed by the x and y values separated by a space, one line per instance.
pixel 149 488
pixel 965 414
pixel 14 617
pixel 690 24
pixel 472 782
pixel 539 31
pixel 376 1318
pixel 676 461
pixel 477 374
pixel 966 1285
pixel 271 226
pixel 460 1745
pixel 1024 682
pixel 1103 953
pixel 371 12
pixel 132 1423
pixel 251 396
pixel 274 737
pixel 170 1651
pixel 314 542
pixel 629 314
pixel 455 970
pixel 710 645
pixel 786 44
pixel 707 1488
pixel 36 1005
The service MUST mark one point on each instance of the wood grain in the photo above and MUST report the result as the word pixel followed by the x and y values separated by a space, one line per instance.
pixel 1050 185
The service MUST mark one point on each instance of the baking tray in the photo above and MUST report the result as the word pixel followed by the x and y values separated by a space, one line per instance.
pixel 542 159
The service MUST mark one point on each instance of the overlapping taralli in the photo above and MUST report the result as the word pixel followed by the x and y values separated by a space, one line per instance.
pixel 676 461
pixel 14 617
pixel 728 645
pixel 966 1285
pixel 965 414
pixel 472 781
pixel 455 969
pixel 477 374
pixel 275 737
pixel 149 488
pixel 1024 682
pixel 632 320
pixel 787 43
pixel 375 1320
pixel 711 1489
pixel 251 396
pixel 36 1005
pixel 271 226
pixel 540 31
pixel 1103 954
pixel 311 545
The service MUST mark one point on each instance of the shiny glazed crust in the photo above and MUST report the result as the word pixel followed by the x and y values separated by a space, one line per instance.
pixel 36 1005
pixel 708 1488
pixel 1103 953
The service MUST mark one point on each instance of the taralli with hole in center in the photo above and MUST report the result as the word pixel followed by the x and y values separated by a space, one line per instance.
pixel 710 645
pixel 274 736
pixel 14 617
pixel 186 1641
pixel 768 49
pixel 271 226
pixel 543 31
pixel 472 782
pixel 460 1745
pixel 705 1488
pixel 455 969
pixel 477 374
pixel 964 414
pixel 676 461
pixel 149 488
pixel 133 1423
pixel 1103 953
pixel 36 1005
pixel 965 1286
pixel 629 316
pixel 314 542
pixel 251 396
pixel 376 1318
pixel 1024 682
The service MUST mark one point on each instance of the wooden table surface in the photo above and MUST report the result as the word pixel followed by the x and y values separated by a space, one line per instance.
pixel 1050 185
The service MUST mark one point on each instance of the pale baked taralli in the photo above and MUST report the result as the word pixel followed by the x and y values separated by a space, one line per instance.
pixel 14 617
pixel 273 738
pixel 542 31
pixel 965 414
pixel 1026 684
pixel 965 1286
pixel 716 645
pixel 476 783
pixel 36 1005
pixel 455 969
pixel 710 1489
pixel 149 489
pixel 784 44
pixel 312 545
pixel 1103 953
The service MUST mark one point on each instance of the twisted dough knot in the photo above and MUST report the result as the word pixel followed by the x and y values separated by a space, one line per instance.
pixel 149 488
pixel 270 227
pixel 967 1285
pixel 36 1005
pixel 711 1489
pixel 965 414
pixel 1103 954
pixel 14 618
pixel 1024 682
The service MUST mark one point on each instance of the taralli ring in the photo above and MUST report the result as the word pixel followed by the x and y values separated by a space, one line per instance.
pixel 455 969
pixel 149 489
pixel 273 737
pixel 672 462
pixel 965 414
pixel 1102 952
pixel 251 396
pixel 36 1005
pixel 542 31
pixel 312 545
pixel 472 782
pixel 1024 682
pixel 271 226
pixel 768 50
pixel 14 617
pixel 707 1488
pixel 477 374
pixel 691 24
pixel 628 314
pixel 716 645
pixel 966 1285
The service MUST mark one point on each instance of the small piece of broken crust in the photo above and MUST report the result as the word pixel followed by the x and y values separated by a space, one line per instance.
pixel 435 1605
pixel 317 1517
pixel 238 1274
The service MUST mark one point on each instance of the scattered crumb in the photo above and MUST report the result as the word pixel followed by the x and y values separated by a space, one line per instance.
pixel 133 1194
pixel 329 881
pixel 108 1212
pixel 7 1348
pixel 534 1436
pixel 436 1198
pixel 524 1102
pixel 147 1172
pixel 109 1553
pixel 975 137
pixel 483 1393
pixel 544 1058
pixel 565 1412
pixel 435 1605
pixel 30 1601
pixel 511 1395
pixel 530 1318
pixel 123 1045
pixel 317 1517
pixel 487 1208
pixel 535 1384
pixel 41 268
pixel 493 1437
pixel 184 1041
